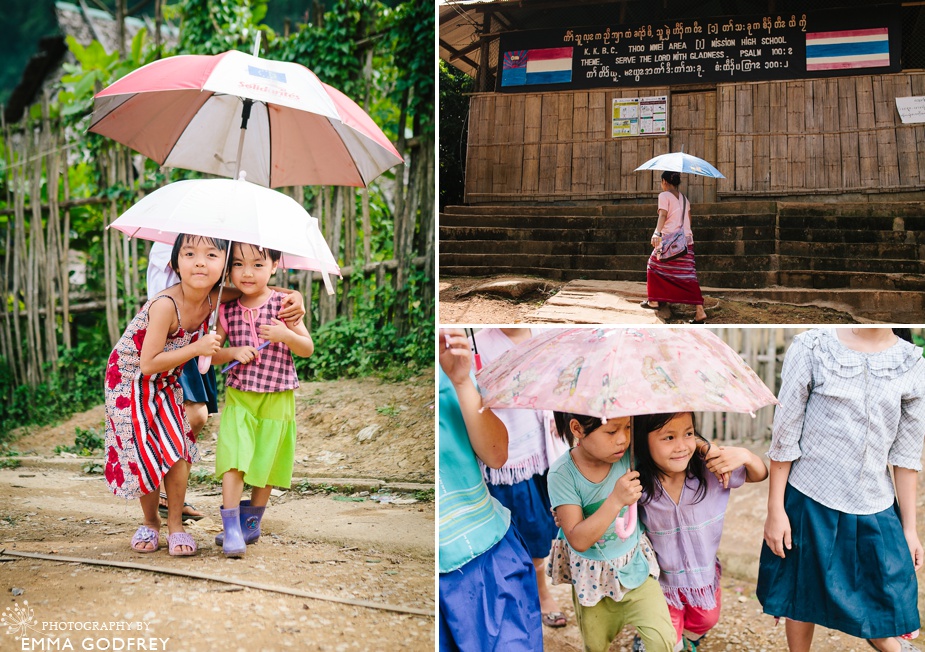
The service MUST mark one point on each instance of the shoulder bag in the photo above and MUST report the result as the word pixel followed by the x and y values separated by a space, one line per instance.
pixel 674 245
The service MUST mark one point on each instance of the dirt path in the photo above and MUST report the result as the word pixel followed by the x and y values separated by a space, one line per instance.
pixel 372 542
pixel 462 303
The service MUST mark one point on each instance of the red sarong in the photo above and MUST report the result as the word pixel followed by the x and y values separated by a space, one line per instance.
pixel 673 281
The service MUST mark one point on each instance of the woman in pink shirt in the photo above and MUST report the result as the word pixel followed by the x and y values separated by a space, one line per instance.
pixel 673 280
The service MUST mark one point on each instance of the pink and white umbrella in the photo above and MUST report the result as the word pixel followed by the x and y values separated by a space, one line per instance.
pixel 193 112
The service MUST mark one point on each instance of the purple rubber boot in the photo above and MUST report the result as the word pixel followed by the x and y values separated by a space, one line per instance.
pixel 233 542
pixel 250 524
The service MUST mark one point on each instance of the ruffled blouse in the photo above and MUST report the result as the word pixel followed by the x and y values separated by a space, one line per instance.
pixel 845 417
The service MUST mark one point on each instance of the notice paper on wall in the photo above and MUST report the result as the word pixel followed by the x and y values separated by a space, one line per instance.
pixel 911 109
pixel 640 116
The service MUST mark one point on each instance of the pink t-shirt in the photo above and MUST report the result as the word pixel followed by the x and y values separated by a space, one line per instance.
pixel 668 202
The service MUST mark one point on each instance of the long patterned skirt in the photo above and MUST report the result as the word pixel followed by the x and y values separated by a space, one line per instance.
pixel 674 281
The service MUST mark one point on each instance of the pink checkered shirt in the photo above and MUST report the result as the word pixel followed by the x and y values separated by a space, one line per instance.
pixel 274 370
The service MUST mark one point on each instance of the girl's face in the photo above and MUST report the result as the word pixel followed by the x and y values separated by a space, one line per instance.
pixel 673 445
pixel 200 262
pixel 608 442
pixel 251 268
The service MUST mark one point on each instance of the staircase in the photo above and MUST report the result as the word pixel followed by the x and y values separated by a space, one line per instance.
pixel 868 255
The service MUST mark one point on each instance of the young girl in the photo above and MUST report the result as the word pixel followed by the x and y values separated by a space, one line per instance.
pixel 841 547
pixel 148 438
pixel 613 580
pixel 256 441
pixel 684 498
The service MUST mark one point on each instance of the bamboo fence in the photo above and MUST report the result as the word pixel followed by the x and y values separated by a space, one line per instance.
pixel 39 302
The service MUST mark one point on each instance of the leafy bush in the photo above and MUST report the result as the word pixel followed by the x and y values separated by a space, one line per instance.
pixel 86 442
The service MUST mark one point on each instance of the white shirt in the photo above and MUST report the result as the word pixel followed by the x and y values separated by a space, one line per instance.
pixel 845 417
pixel 160 274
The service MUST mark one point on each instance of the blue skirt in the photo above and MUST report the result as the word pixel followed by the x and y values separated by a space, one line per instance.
pixel 491 602
pixel 199 388
pixel 850 572
pixel 529 504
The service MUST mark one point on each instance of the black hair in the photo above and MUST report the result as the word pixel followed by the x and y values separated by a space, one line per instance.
pixel 674 178
pixel 183 238
pixel 904 334
pixel 563 419
pixel 272 254
pixel 648 471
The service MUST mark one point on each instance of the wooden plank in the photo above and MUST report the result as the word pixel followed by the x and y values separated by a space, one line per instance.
pixel 500 163
pixel 564 148
pixel 796 143
pixel 831 177
pixel 709 145
pixel 533 115
pixel 516 148
pixel 580 150
pixel 548 132
pixel 598 134
pixel 725 141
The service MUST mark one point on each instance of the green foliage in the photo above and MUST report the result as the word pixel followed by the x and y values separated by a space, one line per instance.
pixel 369 343
pixel 10 463
pixel 214 26
pixel 87 441
pixel 454 131
pixel 76 386
pixel 412 37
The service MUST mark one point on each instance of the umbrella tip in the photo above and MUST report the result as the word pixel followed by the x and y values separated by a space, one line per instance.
pixel 257 44
pixel 242 175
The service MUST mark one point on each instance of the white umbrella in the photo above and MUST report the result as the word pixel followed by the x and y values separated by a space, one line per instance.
pixel 233 210
pixel 681 162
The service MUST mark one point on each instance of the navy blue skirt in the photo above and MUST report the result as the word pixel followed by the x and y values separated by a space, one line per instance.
pixel 197 387
pixel 491 603
pixel 848 572
pixel 529 504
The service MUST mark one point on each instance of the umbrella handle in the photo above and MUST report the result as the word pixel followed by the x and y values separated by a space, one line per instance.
pixel 205 361
pixel 626 524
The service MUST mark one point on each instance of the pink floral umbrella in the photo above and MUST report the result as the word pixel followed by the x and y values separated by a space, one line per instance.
pixel 621 372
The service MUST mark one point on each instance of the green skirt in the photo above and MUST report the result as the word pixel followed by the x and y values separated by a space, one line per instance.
pixel 257 437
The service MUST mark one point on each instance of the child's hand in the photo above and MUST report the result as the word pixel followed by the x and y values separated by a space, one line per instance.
pixel 455 354
pixel 209 344
pixel 244 354
pixel 777 532
pixel 628 488
pixel 915 547
pixel 292 309
pixel 275 332
pixel 721 461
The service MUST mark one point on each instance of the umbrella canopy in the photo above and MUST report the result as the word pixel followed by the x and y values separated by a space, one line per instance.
pixel 681 162
pixel 192 112
pixel 232 210
pixel 621 372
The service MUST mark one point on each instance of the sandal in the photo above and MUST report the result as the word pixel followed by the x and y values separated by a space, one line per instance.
pixel 187 515
pixel 648 306
pixel 177 539
pixel 698 321
pixel 554 619
pixel 904 645
pixel 144 534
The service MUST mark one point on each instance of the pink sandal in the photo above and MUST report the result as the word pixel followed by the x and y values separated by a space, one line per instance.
pixel 144 534
pixel 177 539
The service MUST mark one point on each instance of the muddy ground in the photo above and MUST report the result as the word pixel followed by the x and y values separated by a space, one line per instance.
pixel 358 524
pixel 459 305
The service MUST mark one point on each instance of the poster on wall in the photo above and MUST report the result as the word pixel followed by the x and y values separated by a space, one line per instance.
pixel 640 116
pixel 712 50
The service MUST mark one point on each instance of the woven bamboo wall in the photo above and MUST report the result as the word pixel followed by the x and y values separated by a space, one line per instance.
pixel 771 139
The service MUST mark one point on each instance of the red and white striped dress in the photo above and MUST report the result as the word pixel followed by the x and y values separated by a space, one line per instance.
pixel 146 426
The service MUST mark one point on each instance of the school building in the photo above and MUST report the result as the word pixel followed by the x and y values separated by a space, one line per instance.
pixel 814 112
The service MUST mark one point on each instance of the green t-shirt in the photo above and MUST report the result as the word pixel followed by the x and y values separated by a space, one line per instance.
pixel 567 486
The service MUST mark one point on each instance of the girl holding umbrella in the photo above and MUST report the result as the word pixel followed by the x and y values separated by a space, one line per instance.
pixel 673 278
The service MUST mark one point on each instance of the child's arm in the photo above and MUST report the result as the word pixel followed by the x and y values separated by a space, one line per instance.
pixel 242 354
pixel 777 524
pixel 727 459
pixel 581 532
pixel 296 336
pixel 161 322
pixel 905 495
pixel 487 433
